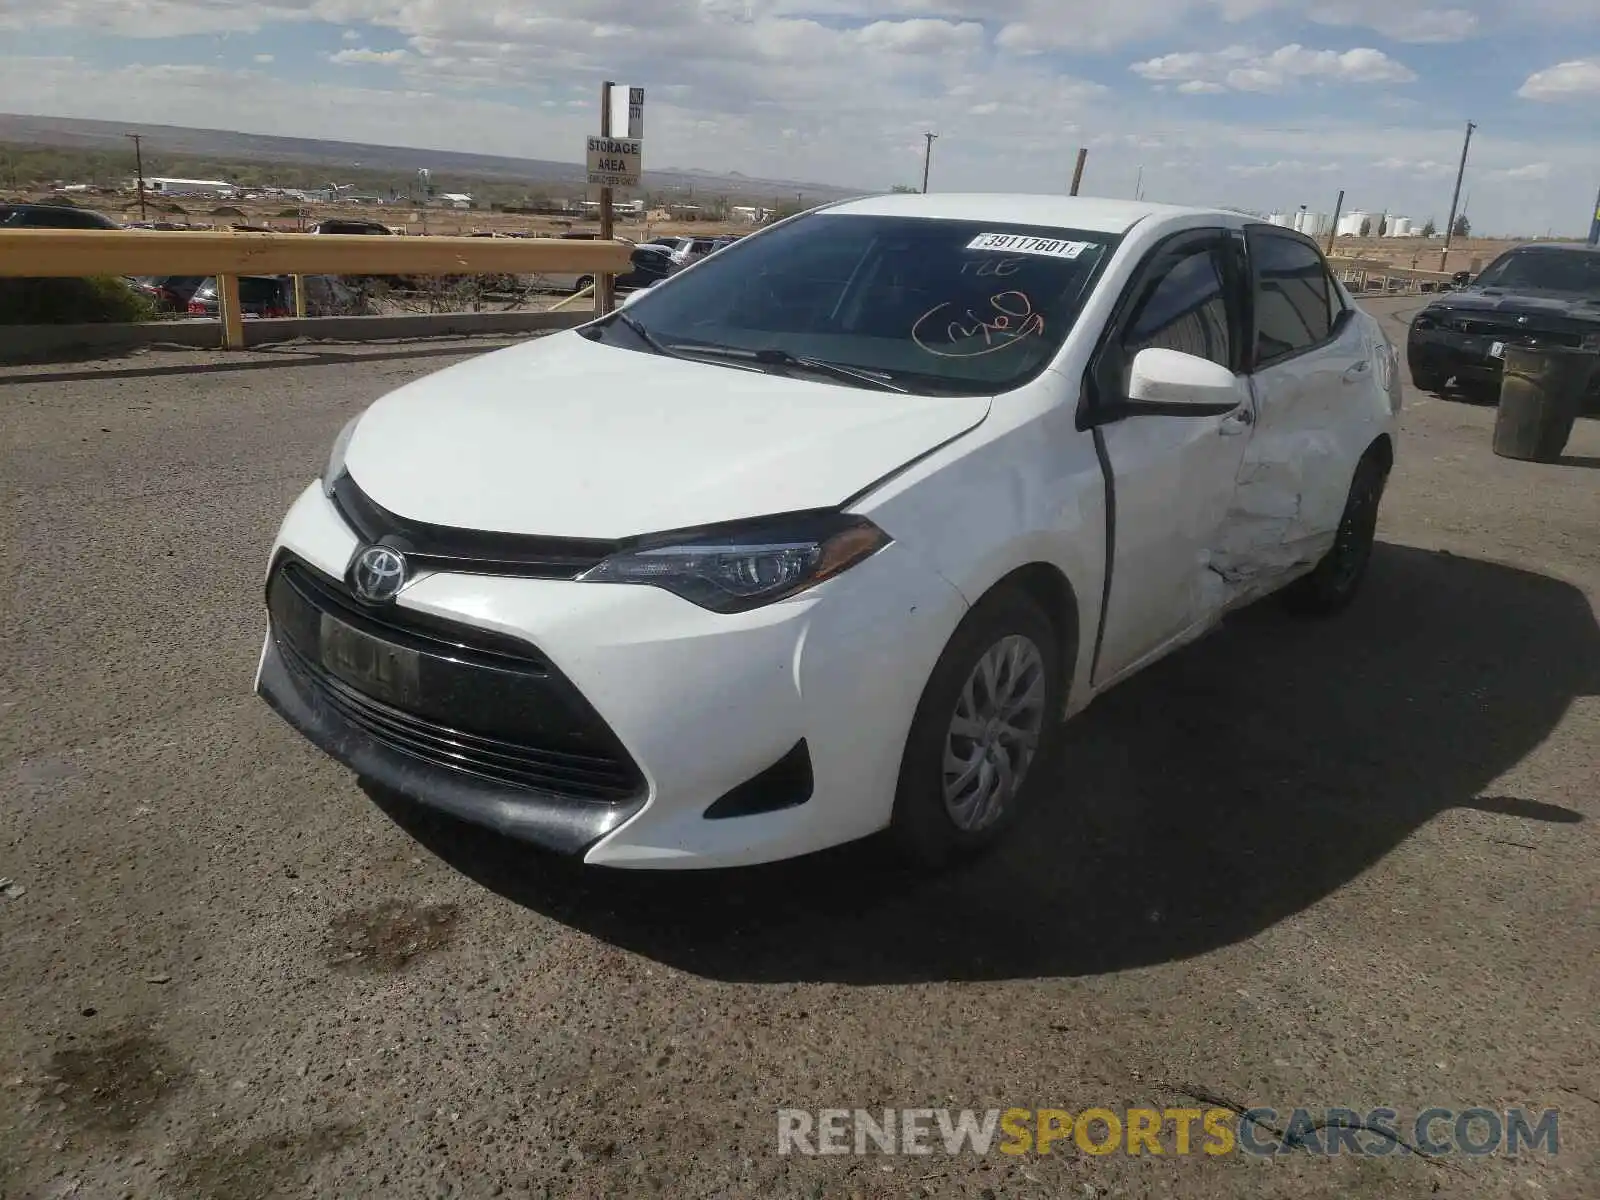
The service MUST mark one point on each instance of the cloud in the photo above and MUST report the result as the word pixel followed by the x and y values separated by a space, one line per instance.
pixel 1398 21
pixel 1565 81
pixel 1531 173
pixel 1243 70
pixel 264 58
pixel 349 57
pixel 922 36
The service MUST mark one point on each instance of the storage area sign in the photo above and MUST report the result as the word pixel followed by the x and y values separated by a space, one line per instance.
pixel 615 162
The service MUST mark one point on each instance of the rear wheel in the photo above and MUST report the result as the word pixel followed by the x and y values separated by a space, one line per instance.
pixel 990 709
pixel 1429 379
pixel 1333 585
pixel 584 281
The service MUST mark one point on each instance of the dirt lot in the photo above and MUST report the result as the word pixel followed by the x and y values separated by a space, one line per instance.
pixel 1350 863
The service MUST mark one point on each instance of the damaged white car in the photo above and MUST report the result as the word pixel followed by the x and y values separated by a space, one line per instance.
pixel 826 535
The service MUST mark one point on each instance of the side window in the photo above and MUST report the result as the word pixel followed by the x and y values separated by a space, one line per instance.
pixel 1295 300
pixel 1183 306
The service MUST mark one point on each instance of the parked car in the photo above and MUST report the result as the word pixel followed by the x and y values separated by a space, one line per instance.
pixel 52 216
pixel 351 225
pixel 828 537
pixel 169 293
pixel 1546 294
pixel 688 250
pixel 273 296
pixel 650 265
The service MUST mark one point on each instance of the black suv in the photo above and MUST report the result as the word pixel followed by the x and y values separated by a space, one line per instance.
pixel 52 216
pixel 1546 294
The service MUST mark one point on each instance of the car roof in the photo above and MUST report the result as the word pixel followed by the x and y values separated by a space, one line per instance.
pixel 1088 213
pixel 1572 247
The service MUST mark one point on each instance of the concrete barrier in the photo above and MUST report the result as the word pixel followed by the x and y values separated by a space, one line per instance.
pixel 41 343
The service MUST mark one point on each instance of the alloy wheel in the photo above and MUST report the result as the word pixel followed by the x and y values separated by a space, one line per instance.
pixel 994 733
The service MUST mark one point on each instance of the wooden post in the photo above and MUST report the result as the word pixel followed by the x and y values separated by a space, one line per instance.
pixel 604 284
pixel 1338 211
pixel 232 314
pixel 1077 173
pixel 299 295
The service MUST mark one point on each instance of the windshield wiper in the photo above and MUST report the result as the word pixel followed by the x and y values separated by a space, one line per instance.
pixel 775 357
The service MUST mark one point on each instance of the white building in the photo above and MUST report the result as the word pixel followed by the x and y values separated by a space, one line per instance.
pixel 455 199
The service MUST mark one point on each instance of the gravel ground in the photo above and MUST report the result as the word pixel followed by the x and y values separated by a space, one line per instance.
pixel 1349 863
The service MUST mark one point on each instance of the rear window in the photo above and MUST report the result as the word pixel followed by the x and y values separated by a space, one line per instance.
pixel 940 306
pixel 1295 300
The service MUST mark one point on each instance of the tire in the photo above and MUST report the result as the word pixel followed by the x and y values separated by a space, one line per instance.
pixel 1331 587
pixel 1006 631
pixel 583 282
pixel 1426 380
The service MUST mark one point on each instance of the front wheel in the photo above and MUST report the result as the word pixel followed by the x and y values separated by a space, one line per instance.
pixel 990 709
pixel 1333 585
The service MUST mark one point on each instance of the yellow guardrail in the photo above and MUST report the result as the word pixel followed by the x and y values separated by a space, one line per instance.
pixel 35 253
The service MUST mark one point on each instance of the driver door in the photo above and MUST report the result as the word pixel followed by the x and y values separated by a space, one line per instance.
pixel 1171 479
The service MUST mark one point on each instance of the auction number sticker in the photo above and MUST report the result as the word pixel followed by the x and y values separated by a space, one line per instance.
pixel 1016 243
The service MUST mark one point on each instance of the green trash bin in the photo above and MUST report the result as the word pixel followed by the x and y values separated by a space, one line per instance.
pixel 1541 394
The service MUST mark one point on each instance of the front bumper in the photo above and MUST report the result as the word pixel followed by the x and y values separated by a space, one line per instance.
pixel 699 703
pixel 1451 353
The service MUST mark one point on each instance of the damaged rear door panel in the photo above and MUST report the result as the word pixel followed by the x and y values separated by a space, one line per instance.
pixel 1316 370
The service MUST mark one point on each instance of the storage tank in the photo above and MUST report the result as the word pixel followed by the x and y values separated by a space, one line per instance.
pixel 1398 227
pixel 1311 224
pixel 1281 220
pixel 1350 224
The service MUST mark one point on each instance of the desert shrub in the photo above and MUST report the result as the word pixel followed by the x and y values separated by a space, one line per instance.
pixel 99 300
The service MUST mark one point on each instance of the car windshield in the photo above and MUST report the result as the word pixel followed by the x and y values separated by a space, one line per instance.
pixel 1573 271
pixel 935 306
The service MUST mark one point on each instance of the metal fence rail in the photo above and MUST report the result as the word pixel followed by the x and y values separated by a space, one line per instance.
pixel 60 253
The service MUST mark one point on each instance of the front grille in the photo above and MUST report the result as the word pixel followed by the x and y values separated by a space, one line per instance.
pixel 483 704
pixel 445 548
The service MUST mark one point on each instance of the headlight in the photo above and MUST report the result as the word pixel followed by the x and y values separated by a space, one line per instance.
pixel 335 467
pixel 1424 320
pixel 1592 342
pixel 749 565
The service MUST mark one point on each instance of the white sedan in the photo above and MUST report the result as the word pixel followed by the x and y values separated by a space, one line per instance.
pixel 829 533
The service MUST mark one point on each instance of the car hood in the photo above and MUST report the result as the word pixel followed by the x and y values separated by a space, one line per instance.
pixel 565 437
pixel 1560 306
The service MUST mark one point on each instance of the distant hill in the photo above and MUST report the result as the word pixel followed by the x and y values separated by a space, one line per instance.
pixel 177 141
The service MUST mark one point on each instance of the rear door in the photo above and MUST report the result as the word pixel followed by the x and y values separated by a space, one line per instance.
pixel 1311 363
pixel 1172 477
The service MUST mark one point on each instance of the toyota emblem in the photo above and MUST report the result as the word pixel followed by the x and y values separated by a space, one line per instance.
pixel 379 574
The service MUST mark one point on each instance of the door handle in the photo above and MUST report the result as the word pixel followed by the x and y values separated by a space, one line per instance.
pixel 1236 423
pixel 1356 371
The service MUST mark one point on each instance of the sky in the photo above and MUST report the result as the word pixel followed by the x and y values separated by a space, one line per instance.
pixel 1260 104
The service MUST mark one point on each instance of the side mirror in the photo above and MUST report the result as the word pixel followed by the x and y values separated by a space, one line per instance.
pixel 1171 383
pixel 1461 278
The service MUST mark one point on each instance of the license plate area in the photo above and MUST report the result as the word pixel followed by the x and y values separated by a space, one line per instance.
pixel 377 668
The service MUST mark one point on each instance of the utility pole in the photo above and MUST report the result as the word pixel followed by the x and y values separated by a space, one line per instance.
pixel 1138 184
pixel 138 158
pixel 1077 173
pixel 927 160
pixel 1450 229
pixel 604 284
pixel 1333 228
pixel 1594 226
